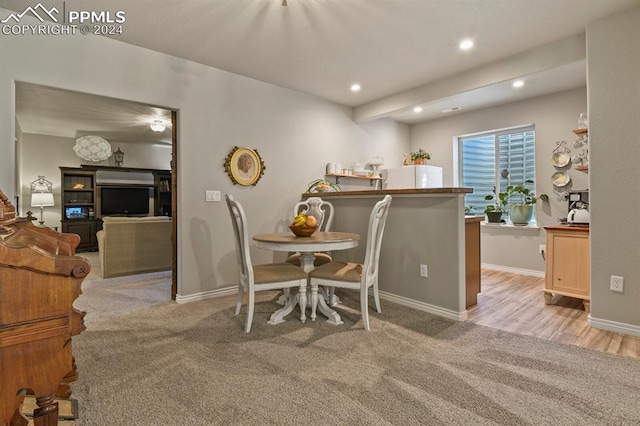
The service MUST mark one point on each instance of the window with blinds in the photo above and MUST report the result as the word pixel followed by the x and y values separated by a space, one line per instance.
pixel 496 159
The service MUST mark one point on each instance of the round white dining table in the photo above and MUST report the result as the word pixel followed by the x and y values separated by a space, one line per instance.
pixel 307 246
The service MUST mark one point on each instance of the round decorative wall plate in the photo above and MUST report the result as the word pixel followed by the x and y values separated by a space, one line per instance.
pixel 92 148
pixel 244 166
pixel 560 179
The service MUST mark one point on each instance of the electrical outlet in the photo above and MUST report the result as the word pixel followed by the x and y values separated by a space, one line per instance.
pixel 211 196
pixel 617 283
pixel 542 248
pixel 423 270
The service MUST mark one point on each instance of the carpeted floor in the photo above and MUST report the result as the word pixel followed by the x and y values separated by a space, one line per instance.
pixel 192 364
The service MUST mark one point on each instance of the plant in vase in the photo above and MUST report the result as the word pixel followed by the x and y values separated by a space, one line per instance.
pixel 500 203
pixel 322 185
pixel 521 211
pixel 420 156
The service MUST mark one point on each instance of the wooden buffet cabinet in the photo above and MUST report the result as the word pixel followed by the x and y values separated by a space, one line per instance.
pixel 40 277
pixel 568 265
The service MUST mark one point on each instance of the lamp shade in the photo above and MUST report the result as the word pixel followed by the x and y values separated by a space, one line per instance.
pixel 42 199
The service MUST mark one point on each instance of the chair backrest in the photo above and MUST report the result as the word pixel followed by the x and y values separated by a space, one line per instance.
pixel 320 209
pixel 377 220
pixel 241 234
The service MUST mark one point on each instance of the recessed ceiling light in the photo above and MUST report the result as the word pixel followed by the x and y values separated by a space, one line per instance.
pixel 466 44
pixel 417 109
pixel 518 83
pixel 355 87
pixel 455 108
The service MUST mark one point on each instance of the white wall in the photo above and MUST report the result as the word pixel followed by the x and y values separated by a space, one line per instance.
pixel 614 131
pixel 49 153
pixel 554 117
pixel 296 135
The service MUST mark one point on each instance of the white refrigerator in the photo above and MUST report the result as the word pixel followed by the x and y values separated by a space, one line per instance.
pixel 412 177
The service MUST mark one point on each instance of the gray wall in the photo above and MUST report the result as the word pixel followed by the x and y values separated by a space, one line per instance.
pixel 555 116
pixel 296 135
pixel 614 130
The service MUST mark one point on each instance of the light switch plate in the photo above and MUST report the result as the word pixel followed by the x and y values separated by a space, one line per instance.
pixel 212 196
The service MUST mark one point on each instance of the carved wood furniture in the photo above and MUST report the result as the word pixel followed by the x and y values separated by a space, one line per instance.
pixel 40 277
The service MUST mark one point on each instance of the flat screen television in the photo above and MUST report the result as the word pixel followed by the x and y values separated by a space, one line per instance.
pixel 124 201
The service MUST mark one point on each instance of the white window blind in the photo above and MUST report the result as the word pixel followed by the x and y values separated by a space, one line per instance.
pixel 496 159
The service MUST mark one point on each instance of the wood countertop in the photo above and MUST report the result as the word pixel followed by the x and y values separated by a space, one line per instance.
pixel 576 228
pixel 383 192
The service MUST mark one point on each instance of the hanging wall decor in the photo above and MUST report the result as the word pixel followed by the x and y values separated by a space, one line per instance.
pixel 92 148
pixel 244 166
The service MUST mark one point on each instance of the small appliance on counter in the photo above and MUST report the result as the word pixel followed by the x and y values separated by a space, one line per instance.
pixel 578 208
pixel 412 177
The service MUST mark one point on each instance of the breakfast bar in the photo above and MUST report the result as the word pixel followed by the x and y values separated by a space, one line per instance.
pixel 424 227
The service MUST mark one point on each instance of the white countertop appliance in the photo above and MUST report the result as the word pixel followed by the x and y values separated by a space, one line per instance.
pixel 412 177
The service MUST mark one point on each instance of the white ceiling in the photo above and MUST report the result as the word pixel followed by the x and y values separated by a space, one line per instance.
pixel 321 47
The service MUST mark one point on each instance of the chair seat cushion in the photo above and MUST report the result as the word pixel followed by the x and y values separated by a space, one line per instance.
pixel 321 259
pixel 277 272
pixel 338 271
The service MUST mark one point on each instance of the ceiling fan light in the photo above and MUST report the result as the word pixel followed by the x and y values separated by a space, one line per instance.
pixel 157 126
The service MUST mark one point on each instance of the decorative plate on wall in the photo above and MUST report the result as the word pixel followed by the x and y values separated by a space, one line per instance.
pixel 92 148
pixel 244 166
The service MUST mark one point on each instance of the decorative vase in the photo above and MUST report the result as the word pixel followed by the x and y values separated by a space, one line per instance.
pixel 494 217
pixel 521 214
pixel 418 161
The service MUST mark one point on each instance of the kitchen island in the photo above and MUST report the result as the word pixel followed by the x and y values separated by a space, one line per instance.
pixel 424 227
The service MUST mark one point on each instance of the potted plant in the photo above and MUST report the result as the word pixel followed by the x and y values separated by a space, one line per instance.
pixel 322 185
pixel 420 156
pixel 521 211
pixel 494 211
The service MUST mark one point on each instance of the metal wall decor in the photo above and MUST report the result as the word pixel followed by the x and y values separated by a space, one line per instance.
pixel 244 166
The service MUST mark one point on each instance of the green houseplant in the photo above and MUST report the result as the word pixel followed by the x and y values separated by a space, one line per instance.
pixel 420 156
pixel 500 203
pixel 322 185
pixel 522 202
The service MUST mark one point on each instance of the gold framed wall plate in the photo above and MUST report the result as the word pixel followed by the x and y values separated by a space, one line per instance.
pixel 244 166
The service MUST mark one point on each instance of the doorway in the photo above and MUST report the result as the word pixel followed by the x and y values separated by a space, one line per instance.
pixel 49 120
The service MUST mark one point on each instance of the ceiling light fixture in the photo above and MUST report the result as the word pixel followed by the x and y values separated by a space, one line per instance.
pixel 355 87
pixel 157 126
pixel 417 109
pixel 456 108
pixel 518 83
pixel 466 44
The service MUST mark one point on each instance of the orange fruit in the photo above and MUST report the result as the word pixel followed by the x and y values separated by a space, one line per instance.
pixel 311 221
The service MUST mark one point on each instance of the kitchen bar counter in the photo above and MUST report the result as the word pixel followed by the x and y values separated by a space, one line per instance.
pixel 393 192
pixel 424 227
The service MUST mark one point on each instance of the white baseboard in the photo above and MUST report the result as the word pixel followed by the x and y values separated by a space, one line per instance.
pixel 221 292
pixel 425 307
pixel 618 327
pixel 529 272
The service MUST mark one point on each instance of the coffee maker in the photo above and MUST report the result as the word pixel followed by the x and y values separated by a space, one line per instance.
pixel 578 199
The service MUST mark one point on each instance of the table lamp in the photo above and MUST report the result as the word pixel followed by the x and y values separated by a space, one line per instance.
pixel 42 199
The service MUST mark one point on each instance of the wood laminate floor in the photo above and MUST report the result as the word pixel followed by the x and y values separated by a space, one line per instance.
pixel 515 303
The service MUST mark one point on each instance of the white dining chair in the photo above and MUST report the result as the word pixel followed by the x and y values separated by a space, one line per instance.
pixel 358 276
pixel 323 212
pixel 253 278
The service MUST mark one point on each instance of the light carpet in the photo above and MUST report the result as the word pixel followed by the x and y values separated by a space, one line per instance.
pixel 192 364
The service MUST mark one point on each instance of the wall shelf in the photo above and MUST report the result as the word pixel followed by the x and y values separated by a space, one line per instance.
pixel 372 179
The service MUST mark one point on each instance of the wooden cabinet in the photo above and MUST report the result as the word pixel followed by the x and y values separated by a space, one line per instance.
pixel 568 266
pixel 472 258
pixel 162 194
pixel 79 205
